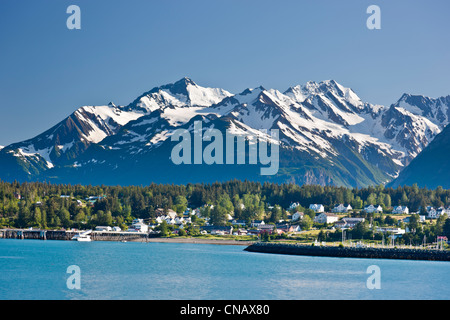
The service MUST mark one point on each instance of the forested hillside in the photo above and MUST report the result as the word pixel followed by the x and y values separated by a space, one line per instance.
pixel 45 205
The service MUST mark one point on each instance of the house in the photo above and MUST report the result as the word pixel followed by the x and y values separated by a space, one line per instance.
pixel 284 227
pixel 348 223
pixel 138 225
pixel 441 211
pixel 293 205
pixel 188 220
pixel 340 224
pixel 297 216
pixel 218 230
pixel 169 220
pixel 326 217
pixel 317 208
pixel 373 209
pixel 431 212
pixel 400 210
pixel 352 222
pixel 240 232
pixel 253 232
pixel 342 208
pixel 117 229
pixel 408 219
pixel 257 223
pixel 17 196
pixel 266 228
pixel 179 220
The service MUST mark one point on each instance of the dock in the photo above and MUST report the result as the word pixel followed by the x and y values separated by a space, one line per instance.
pixel 37 234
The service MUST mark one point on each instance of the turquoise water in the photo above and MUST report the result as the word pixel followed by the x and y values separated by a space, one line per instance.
pixel 35 269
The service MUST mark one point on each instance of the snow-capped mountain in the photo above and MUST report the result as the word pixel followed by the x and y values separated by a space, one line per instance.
pixel 71 137
pixel 328 135
pixel 435 110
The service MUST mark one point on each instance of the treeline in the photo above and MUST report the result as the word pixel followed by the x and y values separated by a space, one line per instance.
pixel 42 206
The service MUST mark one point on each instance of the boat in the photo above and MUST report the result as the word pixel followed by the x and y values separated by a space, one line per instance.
pixel 83 237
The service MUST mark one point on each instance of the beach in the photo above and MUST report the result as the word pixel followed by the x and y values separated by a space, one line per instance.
pixel 198 240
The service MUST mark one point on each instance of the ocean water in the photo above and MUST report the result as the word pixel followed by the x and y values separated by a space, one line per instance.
pixel 36 269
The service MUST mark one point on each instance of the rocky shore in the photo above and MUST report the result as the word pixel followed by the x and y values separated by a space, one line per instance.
pixel 349 252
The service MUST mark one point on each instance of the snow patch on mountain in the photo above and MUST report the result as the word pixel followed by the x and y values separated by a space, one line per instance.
pixel 183 93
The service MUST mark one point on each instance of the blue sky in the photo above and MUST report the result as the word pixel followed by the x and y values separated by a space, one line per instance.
pixel 125 48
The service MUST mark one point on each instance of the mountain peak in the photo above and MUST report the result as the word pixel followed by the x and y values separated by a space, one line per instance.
pixel 311 88
pixel 182 93
pixel 186 81
pixel 252 90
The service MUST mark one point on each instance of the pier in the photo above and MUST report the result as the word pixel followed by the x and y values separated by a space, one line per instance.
pixel 68 234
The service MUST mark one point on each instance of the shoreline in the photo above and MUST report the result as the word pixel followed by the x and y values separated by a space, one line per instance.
pixel 63 235
pixel 197 241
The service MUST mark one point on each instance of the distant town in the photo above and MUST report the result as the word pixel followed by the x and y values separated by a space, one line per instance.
pixel 235 210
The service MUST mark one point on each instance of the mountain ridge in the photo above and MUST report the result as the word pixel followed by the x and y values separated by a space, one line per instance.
pixel 328 135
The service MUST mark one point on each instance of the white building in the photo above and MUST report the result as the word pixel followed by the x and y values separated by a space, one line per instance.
pixel 297 216
pixel 326 217
pixel 180 220
pixel 441 211
pixel 293 205
pixel 257 223
pixel 317 208
pixel 342 208
pixel 373 209
pixel 138 225
pixel 172 214
pixel 169 220
pixel 432 213
pixel 103 228
pixel 401 210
